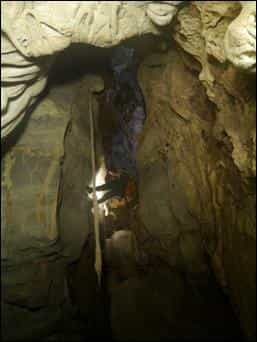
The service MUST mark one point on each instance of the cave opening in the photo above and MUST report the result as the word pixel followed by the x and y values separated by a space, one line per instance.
pixel 142 296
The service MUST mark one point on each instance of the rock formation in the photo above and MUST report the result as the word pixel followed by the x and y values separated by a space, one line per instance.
pixel 31 36
pixel 197 154
pixel 240 39
pixel 196 162
pixel 29 32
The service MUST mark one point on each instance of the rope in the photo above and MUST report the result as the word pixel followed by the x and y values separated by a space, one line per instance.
pixel 98 253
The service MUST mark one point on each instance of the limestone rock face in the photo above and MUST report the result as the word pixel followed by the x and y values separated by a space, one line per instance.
pixel 196 161
pixel 33 32
pixel 30 185
pixel 40 28
pixel 197 156
pixel 74 206
pixel 240 39
pixel 45 209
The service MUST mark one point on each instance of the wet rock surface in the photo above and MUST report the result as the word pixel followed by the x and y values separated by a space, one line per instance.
pixel 196 213
pixel 197 156
pixel 45 221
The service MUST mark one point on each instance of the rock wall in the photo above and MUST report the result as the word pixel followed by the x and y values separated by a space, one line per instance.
pixel 32 33
pixel 45 209
pixel 197 157
pixel 33 276
pixel 197 190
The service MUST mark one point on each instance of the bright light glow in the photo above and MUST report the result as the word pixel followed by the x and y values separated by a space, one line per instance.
pixel 100 180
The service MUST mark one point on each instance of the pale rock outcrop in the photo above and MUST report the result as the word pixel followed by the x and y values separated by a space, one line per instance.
pixel 240 39
pixel 33 31
pixel 28 31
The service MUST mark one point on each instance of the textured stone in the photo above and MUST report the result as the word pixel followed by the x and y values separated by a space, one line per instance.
pixel 28 31
pixel 197 161
pixel 161 306
pixel 201 130
pixel 32 168
pixel 45 221
pixel 240 39
pixel 32 33
pixel 74 206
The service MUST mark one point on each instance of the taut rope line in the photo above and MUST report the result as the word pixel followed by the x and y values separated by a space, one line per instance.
pixel 98 253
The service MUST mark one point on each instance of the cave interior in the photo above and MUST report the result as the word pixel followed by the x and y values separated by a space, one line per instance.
pixel 148 291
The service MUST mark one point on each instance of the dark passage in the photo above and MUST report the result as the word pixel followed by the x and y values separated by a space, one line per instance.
pixel 125 101
pixel 142 297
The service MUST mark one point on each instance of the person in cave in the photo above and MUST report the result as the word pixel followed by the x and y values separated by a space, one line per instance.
pixel 128 102
pixel 116 186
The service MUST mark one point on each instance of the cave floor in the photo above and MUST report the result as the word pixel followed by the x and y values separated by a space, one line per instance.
pixel 155 303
